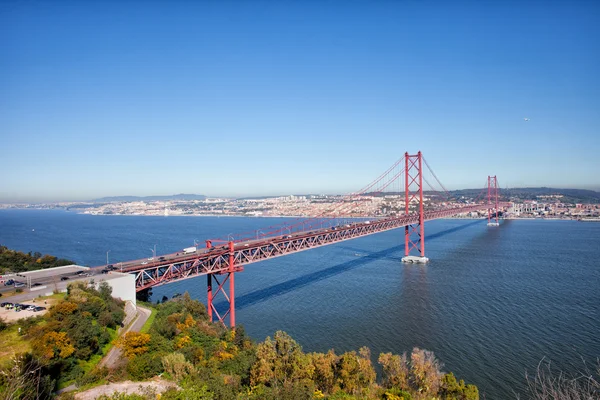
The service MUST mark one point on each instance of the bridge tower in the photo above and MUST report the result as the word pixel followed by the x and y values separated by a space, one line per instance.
pixel 414 235
pixel 229 275
pixel 493 197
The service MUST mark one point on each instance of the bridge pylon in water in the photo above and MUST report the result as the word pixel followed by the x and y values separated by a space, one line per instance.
pixel 414 235
pixel 493 200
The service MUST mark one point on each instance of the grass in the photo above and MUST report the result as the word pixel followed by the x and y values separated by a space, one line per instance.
pixel 150 320
pixel 12 343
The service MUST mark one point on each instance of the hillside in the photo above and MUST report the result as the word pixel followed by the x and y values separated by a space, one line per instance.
pixel 181 197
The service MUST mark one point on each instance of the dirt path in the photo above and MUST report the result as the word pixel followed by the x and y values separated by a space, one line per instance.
pixel 157 385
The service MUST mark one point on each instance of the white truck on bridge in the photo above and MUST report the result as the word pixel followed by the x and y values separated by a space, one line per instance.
pixel 189 250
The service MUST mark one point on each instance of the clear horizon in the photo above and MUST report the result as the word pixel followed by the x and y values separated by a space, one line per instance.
pixel 244 99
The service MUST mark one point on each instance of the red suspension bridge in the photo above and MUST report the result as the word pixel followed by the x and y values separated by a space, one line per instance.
pixel 222 259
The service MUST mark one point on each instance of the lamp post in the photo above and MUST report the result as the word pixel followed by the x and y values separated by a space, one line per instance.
pixel 258 230
pixel 107 257
pixel 230 237
pixel 153 252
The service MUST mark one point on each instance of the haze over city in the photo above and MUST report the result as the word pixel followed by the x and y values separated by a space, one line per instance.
pixel 263 98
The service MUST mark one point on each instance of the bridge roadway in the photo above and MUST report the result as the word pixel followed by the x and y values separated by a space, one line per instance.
pixel 215 260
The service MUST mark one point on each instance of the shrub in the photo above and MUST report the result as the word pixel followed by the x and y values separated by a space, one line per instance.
pixel 176 365
pixel 95 375
pixel 144 366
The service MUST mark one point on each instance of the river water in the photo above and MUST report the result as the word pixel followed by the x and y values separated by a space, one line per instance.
pixel 492 302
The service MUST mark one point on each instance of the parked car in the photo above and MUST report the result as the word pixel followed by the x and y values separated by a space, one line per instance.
pixel 109 266
pixel 29 308
pixel 7 304
pixel 19 284
pixel 39 308
pixel 64 278
pixel 105 271
pixel 9 282
pixel 37 284
pixel 79 272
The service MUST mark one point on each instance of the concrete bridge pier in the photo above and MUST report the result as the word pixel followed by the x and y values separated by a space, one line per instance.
pixel 415 260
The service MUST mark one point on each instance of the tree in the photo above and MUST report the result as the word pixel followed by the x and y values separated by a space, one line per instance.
pixel 425 372
pixel 54 345
pixel 348 372
pixel 395 370
pixel 451 389
pixel 176 365
pixel 61 310
pixel 324 370
pixel 280 361
pixel 133 343
pixel 105 291
pixel 367 374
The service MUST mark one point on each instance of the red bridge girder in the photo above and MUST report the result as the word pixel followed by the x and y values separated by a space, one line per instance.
pixel 217 261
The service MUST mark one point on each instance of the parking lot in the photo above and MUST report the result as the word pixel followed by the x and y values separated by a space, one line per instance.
pixel 9 312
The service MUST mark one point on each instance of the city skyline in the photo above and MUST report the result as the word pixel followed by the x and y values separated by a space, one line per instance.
pixel 241 99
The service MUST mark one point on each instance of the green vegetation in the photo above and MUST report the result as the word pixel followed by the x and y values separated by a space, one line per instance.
pixel 205 359
pixel 209 361
pixel 62 346
pixel 17 261
pixel 150 320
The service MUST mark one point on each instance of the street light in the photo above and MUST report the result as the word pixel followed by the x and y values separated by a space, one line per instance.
pixel 153 251
pixel 230 237
pixel 107 257
pixel 258 230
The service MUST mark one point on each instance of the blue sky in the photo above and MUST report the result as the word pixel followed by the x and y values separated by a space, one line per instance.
pixel 260 97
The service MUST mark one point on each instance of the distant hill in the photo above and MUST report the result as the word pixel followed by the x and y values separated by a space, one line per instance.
pixel 569 195
pixel 181 196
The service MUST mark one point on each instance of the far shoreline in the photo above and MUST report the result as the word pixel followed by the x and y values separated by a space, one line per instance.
pixel 284 216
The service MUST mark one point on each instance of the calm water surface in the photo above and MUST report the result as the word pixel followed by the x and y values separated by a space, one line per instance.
pixel 491 303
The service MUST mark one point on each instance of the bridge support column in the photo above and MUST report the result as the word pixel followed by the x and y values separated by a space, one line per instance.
pixel 209 293
pixel 231 287
pixel 493 192
pixel 413 190
pixel 209 300
pixel 221 285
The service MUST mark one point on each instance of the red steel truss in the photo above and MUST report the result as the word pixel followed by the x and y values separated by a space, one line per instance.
pixel 220 263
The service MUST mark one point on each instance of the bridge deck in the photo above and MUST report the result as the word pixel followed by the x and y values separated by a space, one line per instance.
pixel 216 259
